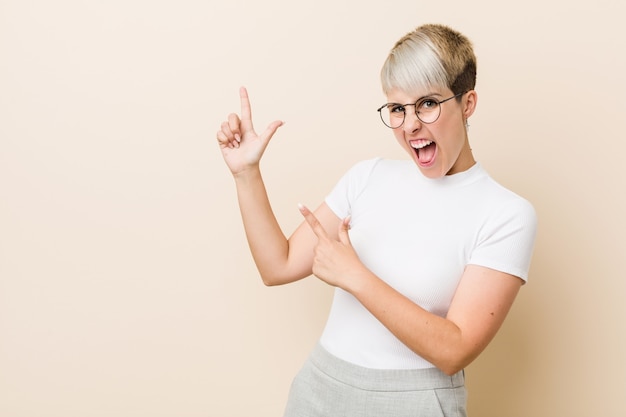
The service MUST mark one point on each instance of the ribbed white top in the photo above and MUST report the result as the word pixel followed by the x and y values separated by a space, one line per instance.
pixel 418 234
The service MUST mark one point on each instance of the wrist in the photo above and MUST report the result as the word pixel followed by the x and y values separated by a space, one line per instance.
pixel 360 282
pixel 248 174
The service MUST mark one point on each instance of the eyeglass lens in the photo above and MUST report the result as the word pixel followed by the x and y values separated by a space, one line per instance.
pixel 427 111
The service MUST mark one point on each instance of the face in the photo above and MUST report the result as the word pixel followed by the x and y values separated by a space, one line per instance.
pixel 442 147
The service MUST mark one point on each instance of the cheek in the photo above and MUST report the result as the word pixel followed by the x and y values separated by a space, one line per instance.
pixel 450 137
pixel 398 134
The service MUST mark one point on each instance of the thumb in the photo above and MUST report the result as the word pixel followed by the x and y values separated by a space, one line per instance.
pixel 344 226
pixel 271 129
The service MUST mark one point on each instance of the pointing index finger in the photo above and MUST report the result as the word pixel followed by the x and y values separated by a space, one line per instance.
pixel 246 111
pixel 315 225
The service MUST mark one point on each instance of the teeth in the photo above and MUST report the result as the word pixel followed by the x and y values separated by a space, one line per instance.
pixel 419 144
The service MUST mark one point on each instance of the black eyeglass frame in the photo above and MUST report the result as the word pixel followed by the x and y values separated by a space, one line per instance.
pixel 439 103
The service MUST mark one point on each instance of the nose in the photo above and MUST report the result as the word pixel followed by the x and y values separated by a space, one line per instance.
pixel 411 122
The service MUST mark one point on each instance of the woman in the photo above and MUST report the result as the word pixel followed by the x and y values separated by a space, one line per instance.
pixel 427 255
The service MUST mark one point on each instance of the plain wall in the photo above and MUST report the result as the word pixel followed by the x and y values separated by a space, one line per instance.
pixel 126 286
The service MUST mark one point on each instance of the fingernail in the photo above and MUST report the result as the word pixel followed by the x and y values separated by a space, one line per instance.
pixel 237 137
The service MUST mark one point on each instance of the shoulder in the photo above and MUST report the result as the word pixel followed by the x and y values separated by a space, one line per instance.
pixel 507 229
pixel 380 166
pixel 502 198
pixel 507 213
pixel 502 210
pixel 513 202
pixel 362 176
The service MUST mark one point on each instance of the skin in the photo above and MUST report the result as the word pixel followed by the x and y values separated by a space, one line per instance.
pixel 448 132
pixel 321 244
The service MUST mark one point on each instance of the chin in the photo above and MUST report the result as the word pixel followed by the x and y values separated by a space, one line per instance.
pixel 432 170
pixel 433 175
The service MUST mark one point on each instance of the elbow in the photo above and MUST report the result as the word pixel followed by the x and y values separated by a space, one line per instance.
pixel 279 277
pixel 269 277
pixel 453 364
pixel 269 282
pixel 272 280
pixel 451 369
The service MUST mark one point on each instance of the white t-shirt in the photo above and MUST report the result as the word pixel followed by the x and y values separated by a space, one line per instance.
pixel 418 234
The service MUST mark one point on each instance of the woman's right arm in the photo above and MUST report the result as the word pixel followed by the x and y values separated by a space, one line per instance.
pixel 278 259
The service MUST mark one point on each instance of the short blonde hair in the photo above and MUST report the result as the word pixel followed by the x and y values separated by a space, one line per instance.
pixel 430 56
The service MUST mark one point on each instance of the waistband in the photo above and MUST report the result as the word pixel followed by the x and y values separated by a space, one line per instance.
pixel 383 379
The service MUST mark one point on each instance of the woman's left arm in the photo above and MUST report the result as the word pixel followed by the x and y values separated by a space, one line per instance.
pixel 480 304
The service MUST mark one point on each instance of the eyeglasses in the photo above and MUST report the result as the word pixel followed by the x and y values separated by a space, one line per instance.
pixel 427 110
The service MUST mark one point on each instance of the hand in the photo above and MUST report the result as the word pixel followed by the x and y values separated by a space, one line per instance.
pixel 241 147
pixel 335 261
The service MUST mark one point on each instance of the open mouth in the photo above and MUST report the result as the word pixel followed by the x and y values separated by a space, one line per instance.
pixel 425 150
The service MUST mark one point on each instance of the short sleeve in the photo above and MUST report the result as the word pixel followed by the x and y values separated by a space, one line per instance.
pixel 349 187
pixel 506 241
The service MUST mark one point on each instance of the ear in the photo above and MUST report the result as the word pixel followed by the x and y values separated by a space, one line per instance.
pixel 469 103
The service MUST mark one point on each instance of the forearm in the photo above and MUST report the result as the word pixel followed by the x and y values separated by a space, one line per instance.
pixel 436 339
pixel 481 302
pixel 267 242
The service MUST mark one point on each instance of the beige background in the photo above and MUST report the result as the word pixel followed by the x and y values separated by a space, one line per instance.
pixel 126 288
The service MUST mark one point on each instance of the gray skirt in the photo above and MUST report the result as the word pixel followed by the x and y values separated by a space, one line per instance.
pixel 327 386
